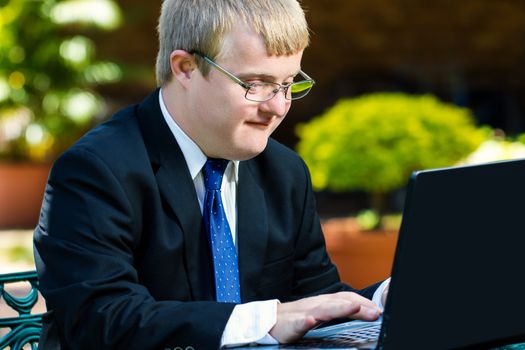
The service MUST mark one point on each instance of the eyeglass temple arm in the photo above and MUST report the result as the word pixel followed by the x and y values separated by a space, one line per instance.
pixel 233 77
pixel 307 76
pixel 224 71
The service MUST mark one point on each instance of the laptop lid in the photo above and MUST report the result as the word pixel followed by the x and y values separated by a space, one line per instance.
pixel 457 274
pixel 457 278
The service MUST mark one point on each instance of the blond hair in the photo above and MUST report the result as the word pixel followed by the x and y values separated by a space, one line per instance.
pixel 200 26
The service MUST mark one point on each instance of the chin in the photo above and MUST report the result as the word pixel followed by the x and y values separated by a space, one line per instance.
pixel 245 153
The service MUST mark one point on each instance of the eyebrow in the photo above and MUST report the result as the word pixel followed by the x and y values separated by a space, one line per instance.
pixel 262 76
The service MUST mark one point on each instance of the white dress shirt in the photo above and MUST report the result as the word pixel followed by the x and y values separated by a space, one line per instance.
pixel 250 322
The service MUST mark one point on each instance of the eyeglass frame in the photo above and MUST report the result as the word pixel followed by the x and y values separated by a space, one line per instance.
pixel 248 86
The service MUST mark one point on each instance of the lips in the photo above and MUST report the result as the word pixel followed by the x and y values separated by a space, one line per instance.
pixel 263 124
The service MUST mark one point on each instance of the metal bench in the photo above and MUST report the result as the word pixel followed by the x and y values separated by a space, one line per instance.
pixel 24 329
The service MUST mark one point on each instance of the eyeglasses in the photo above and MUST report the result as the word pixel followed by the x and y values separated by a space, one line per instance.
pixel 263 91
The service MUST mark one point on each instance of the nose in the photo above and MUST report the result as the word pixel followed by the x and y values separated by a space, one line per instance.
pixel 277 105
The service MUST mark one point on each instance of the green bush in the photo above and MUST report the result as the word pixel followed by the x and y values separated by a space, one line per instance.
pixel 374 142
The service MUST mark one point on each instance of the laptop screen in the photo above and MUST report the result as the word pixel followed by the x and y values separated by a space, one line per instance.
pixel 458 273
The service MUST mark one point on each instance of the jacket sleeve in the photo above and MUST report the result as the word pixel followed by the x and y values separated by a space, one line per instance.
pixel 85 246
pixel 314 271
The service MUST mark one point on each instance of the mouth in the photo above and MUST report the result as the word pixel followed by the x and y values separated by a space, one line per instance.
pixel 260 124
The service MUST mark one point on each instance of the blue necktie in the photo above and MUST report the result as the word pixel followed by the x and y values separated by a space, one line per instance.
pixel 225 263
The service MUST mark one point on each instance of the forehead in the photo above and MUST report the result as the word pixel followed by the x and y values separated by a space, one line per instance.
pixel 243 48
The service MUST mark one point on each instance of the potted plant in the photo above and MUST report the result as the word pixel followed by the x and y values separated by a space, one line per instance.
pixel 48 75
pixel 373 143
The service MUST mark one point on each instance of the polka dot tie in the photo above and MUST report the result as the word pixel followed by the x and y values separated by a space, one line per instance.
pixel 225 263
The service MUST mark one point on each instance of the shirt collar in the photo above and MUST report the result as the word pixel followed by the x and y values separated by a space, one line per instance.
pixel 195 158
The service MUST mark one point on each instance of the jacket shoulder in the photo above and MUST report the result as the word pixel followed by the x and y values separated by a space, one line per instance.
pixel 116 141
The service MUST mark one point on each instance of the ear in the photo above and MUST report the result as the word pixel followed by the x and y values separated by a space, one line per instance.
pixel 182 66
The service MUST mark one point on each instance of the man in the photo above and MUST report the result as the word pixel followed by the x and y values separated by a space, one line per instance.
pixel 135 249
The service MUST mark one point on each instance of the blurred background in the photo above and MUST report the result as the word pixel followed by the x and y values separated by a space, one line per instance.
pixel 404 84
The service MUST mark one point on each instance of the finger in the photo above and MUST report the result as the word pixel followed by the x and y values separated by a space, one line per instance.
pixel 368 310
pixel 309 323
pixel 291 327
pixel 335 309
pixel 367 314
pixel 302 324
pixel 356 298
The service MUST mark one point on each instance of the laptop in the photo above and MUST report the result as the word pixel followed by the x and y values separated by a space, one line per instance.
pixel 459 267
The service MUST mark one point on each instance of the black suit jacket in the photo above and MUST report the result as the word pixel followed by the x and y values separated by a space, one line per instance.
pixel 122 257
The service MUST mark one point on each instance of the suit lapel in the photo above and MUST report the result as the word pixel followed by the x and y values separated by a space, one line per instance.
pixel 177 188
pixel 252 231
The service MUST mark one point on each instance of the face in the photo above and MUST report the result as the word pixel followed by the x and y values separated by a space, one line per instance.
pixel 224 123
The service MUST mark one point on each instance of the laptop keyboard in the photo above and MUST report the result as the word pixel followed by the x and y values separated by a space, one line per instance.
pixel 342 339
pixel 361 335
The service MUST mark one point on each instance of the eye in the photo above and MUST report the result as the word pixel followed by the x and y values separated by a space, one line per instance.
pixel 256 87
pixel 257 84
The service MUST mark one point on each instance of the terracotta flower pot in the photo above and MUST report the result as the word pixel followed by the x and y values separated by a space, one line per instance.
pixel 362 257
pixel 21 191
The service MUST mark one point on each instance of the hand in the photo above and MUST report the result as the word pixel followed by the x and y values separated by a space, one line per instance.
pixel 295 318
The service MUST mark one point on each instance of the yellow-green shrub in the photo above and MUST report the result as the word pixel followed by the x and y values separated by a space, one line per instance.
pixel 375 141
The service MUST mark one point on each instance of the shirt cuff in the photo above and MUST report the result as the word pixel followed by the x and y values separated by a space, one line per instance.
pixel 250 323
pixel 379 293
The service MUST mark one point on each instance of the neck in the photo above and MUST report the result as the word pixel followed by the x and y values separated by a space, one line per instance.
pixel 177 108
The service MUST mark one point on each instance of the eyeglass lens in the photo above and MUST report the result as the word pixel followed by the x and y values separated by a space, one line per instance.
pixel 265 91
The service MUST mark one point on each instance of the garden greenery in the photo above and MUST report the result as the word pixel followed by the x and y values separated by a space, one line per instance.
pixel 48 73
pixel 374 142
